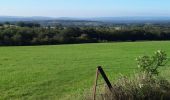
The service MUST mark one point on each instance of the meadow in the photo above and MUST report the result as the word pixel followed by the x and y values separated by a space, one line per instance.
pixel 64 72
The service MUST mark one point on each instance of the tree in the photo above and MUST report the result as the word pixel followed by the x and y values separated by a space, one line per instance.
pixel 7 23
pixel 151 64
pixel 1 24
pixel 27 24
pixel 17 39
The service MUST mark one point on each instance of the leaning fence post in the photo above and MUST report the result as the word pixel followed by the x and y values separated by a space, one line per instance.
pixel 99 70
pixel 105 78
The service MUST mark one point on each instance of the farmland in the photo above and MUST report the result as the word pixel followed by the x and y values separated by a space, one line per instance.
pixel 62 71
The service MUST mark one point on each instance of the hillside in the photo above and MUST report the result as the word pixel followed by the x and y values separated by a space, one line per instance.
pixel 53 72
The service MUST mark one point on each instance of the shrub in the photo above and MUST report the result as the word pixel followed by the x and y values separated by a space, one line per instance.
pixel 151 64
pixel 145 85
pixel 140 87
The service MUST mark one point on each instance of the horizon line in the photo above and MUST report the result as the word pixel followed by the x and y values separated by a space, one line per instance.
pixel 78 17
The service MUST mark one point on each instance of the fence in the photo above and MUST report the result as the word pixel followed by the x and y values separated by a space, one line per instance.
pixel 100 71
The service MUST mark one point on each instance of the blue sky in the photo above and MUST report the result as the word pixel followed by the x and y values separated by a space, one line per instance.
pixel 85 8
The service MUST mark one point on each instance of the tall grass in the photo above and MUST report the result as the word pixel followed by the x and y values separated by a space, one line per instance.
pixel 139 87
pixel 144 85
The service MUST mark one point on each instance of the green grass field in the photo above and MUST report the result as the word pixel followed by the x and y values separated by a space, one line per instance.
pixel 62 71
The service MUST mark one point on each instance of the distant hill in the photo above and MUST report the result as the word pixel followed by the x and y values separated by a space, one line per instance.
pixel 98 19
pixel 131 19
pixel 14 18
pixel 46 21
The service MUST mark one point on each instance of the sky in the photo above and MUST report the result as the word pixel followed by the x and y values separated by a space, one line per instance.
pixel 84 8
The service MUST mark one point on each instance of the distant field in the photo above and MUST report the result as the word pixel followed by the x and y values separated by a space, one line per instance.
pixel 60 72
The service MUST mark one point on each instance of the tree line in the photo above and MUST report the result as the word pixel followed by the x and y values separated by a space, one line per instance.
pixel 36 35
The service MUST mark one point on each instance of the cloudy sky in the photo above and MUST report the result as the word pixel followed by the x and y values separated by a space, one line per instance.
pixel 84 8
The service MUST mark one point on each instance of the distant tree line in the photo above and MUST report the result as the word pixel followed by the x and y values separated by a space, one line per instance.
pixel 21 24
pixel 28 24
pixel 25 34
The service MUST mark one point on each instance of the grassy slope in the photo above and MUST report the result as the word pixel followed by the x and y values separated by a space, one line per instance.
pixel 57 72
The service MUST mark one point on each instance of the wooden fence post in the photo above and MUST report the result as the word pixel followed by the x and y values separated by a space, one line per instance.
pixel 101 71
pixel 105 78
pixel 94 91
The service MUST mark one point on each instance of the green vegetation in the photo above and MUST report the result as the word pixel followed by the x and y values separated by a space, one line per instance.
pixel 151 64
pixel 144 85
pixel 140 87
pixel 26 33
pixel 63 71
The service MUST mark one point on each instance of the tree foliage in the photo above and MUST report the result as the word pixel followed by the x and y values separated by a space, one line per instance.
pixel 32 34
pixel 151 64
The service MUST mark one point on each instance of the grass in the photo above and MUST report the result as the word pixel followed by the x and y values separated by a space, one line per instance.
pixel 60 72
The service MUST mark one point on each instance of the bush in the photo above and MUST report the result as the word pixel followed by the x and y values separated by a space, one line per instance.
pixel 145 85
pixel 140 87
pixel 151 64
